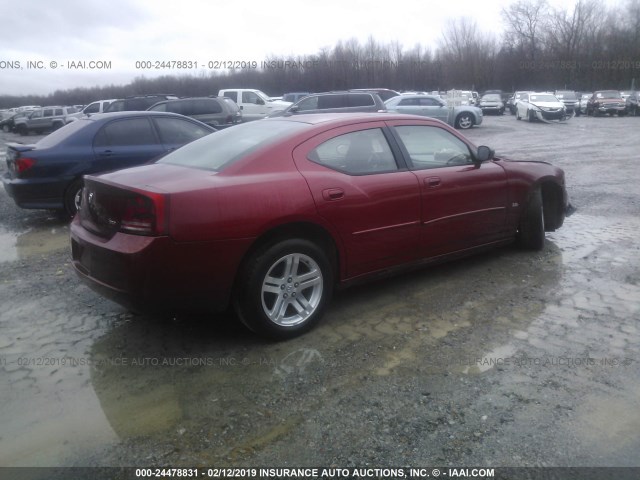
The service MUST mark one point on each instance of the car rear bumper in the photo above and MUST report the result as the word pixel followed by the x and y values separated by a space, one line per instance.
pixel 35 193
pixel 156 273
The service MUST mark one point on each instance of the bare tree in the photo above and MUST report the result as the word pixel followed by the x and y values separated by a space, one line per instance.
pixel 524 21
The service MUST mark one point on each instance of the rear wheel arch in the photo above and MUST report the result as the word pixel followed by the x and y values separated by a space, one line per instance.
pixel 303 240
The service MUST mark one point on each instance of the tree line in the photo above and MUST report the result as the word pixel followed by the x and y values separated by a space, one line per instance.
pixel 584 47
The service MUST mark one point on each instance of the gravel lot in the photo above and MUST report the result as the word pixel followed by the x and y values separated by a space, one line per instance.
pixel 509 358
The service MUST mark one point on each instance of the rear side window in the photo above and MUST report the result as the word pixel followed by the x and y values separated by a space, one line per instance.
pixel 206 106
pixel 179 131
pixel 59 111
pixel 232 95
pixel 332 101
pixel 127 132
pixel 361 100
pixel 117 106
pixel 357 153
pixel 48 112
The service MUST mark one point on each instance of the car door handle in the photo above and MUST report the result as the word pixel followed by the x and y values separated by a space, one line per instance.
pixel 106 153
pixel 432 182
pixel 332 194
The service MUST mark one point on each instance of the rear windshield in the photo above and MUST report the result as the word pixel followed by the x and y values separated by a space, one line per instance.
pixel 60 135
pixel 221 149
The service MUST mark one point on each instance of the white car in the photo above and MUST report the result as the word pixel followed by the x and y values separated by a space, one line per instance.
pixel 541 106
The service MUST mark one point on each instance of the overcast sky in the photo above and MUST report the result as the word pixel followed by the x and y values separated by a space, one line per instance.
pixel 125 31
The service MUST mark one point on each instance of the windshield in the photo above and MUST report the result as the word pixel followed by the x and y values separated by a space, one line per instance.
pixel 217 151
pixel 610 94
pixel 492 97
pixel 543 98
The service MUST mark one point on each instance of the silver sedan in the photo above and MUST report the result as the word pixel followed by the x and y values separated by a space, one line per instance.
pixel 462 117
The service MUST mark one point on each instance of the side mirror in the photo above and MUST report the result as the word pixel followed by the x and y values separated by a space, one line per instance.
pixel 259 101
pixel 294 109
pixel 484 153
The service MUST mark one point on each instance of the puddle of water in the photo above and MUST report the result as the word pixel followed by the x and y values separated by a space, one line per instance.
pixel 17 246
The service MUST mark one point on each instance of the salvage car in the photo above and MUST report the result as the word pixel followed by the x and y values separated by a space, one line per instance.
pixel 632 104
pixel 541 106
pixel 48 174
pixel 569 98
pixel 461 116
pixel 492 103
pixel 296 206
pixel 604 102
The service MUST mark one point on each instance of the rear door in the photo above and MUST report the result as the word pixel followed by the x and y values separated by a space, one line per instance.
pixel 125 143
pixel 361 186
pixel 463 204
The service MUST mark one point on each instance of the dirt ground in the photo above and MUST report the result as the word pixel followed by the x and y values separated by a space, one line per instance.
pixel 509 358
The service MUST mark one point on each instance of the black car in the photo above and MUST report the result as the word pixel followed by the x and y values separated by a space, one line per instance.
pixel 335 102
pixel 632 104
pixel 48 174
pixel 218 112
pixel 137 103
pixel 9 123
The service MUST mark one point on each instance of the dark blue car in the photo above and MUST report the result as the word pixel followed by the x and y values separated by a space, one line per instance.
pixel 48 174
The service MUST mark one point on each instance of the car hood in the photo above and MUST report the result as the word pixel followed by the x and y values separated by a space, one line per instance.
pixel 548 104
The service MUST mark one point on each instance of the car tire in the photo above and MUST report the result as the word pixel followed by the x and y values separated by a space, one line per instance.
pixel 72 198
pixel 531 228
pixel 267 295
pixel 577 112
pixel 531 116
pixel 5 128
pixel 464 121
pixel 22 130
pixel 517 115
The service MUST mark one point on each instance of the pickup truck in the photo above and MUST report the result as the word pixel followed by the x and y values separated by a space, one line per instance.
pixel 253 103
pixel 47 118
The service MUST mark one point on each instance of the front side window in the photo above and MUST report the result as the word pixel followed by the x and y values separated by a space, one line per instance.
pixel 433 147
pixel 93 108
pixel 361 100
pixel 356 153
pixel 127 132
pixel 49 112
pixel 309 103
pixel 249 97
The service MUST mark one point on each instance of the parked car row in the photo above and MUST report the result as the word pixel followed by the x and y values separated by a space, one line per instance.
pixel 600 102
pixel 356 185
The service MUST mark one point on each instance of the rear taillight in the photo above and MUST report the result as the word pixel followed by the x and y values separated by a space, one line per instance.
pixel 107 210
pixel 23 164
pixel 143 214
pixel 229 119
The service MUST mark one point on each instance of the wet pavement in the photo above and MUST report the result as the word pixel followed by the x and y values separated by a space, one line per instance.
pixel 508 358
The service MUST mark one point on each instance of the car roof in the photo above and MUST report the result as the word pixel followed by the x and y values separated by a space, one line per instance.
pixel 132 113
pixel 341 118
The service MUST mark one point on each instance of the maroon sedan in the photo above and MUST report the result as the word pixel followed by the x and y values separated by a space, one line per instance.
pixel 270 216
